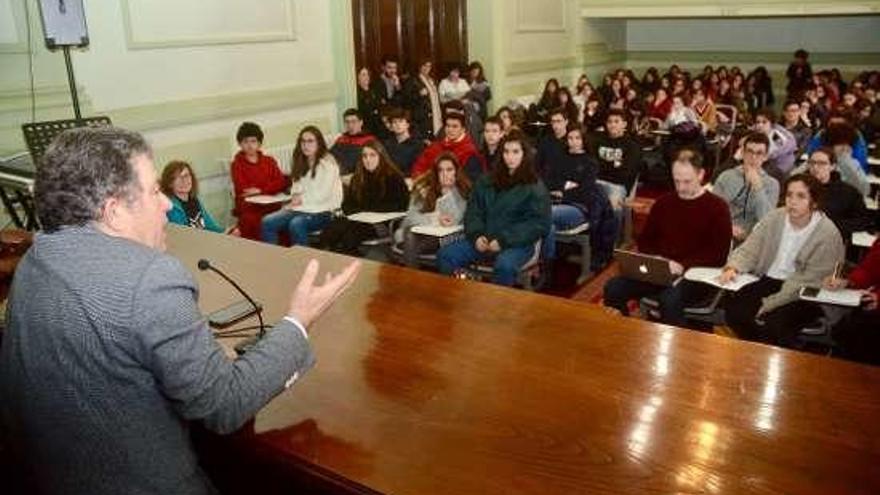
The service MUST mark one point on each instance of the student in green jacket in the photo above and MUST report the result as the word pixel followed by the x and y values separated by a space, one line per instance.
pixel 508 211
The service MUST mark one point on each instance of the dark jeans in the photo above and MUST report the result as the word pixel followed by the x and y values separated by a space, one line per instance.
pixel 506 263
pixel 345 236
pixel 620 290
pixel 858 337
pixel 780 326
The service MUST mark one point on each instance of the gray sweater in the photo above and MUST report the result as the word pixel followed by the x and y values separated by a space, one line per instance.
pixel 747 205
pixel 452 203
pixel 106 358
pixel 821 252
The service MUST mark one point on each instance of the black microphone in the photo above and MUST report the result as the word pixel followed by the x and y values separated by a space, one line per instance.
pixel 248 343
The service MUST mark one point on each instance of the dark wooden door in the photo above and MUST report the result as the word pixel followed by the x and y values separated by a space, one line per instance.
pixel 410 31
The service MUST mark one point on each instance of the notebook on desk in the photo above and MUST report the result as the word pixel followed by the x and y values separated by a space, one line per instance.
pixel 645 267
pixel 841 297
pixel 711 276
pixel 437 230
pixel 373 217
pixel 268 199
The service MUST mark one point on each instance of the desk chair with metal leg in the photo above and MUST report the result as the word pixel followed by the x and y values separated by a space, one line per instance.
pixel 579 235
pixel 531 274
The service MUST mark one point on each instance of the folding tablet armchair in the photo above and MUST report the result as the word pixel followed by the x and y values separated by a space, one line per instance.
pixel 531 275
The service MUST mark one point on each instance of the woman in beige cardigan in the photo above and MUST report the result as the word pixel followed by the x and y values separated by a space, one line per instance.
pixel 792 247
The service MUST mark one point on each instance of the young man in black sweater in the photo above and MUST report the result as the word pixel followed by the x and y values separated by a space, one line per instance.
pixel 619 156
pixel 402 147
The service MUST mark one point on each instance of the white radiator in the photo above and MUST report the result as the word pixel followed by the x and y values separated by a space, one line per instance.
pixel 283 155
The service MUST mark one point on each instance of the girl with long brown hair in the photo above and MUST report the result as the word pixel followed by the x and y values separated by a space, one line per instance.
pixel 316 191
pixel 378 186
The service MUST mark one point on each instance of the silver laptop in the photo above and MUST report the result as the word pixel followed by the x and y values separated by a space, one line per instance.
pixel 645 267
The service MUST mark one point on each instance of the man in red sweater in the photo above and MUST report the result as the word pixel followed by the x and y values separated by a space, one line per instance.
pixel 690 227
pixel 253 173
pixel 858 335
pixel 456 141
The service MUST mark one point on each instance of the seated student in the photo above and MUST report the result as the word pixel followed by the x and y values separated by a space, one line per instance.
pixel 456 141
pixel 594 113
pixel 377 186
pixel 438 198
pixel 578 198
pixel 868 119
pixel 480 92
pixel 253 173
pixel 858 146
pixel 179 183
pixel 792 247
pixel 571 182
pixel 402 147
pixel 704 108
pixel 540 111
pixel 316 191
pixel 750 192
pixel 783 145
pixel 842 202
pixel 839 138
pixel 794 121
pixel 568 105
pixel 690 227
pixel 552 147
pixel 453 87
pixel 347 148
pixel 661 105
pixel 510 118
pixel 620 158
pixel 493 133
pixel 856 335
pixel 680 113
pixel 507 213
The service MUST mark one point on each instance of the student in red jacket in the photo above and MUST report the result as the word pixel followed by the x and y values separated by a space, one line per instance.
pixel 253 173
pixel 456 141
pixel 858 335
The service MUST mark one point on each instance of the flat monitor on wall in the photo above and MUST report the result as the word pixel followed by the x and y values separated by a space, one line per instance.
pixel 64 23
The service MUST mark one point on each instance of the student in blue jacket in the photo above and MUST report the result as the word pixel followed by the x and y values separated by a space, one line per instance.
pixel 507 212
pixel 179 183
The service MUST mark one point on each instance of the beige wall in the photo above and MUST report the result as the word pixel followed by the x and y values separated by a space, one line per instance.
pixel 531 41
pixel 653 9
pixel 185 80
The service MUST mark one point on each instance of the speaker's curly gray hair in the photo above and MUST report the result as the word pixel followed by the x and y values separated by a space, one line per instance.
pixel 81 170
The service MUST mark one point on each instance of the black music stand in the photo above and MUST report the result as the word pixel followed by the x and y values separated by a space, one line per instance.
pixel 38 135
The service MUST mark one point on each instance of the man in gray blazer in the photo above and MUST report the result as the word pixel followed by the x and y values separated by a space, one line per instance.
pixel 106 357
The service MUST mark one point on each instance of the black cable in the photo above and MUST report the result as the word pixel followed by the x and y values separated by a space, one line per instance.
pixel 235 332
pixel 30 49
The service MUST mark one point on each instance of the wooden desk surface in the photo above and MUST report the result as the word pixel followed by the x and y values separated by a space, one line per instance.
pixel 426 384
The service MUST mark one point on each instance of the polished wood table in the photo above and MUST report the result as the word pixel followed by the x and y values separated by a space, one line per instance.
pixel 426 384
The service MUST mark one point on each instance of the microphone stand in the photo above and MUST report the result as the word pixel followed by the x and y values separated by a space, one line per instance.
pixel 248 343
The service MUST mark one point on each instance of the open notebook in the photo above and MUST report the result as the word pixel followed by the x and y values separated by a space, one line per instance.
pixel 267 199
pixel 376 217
pixel 842 297
pixel 710 276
